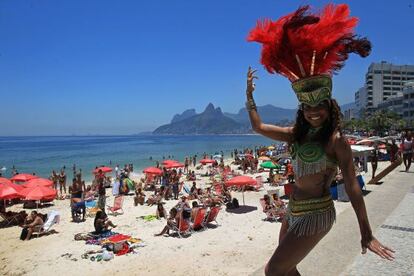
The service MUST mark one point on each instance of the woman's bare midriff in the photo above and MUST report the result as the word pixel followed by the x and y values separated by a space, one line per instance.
pixel 313 186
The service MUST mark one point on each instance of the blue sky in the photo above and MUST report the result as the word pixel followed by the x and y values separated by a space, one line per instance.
pixel 121 67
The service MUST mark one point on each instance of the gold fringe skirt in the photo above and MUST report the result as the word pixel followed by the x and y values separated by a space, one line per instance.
pixel 310 216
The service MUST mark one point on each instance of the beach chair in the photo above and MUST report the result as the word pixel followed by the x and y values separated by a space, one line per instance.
pixel 14 219
pixel 91 208
pixel 52 218
pixel 184 227
pixel 118 202
pixel 212 216
pixel 186 189
pixel 218 188
pixel 199 219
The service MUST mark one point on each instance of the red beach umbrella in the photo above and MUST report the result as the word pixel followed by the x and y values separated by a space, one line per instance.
pixel 38 182
pixel 153 170
pixel 207 161
pixel 169 161
pixel 8 192
pixel 23 177
pixel 38 193
pixel 241 181
pixel 174 165
pixel 103 169
pixel 5 181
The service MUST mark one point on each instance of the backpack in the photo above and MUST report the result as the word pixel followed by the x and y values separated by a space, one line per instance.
pixel 23 235
pixel 186 213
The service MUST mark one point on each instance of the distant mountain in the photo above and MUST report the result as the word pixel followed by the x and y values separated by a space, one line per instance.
pixel 186 114
pixel 210 121
pixel 268 113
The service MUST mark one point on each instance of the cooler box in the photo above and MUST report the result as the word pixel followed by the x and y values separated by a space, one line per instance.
pixel 334 192
pixel 361 181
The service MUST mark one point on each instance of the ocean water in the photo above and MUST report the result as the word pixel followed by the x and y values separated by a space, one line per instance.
pixel 42 154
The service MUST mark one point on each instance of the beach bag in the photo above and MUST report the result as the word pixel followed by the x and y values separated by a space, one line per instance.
pixel 23 235
pixel 235 203
pixel 187 213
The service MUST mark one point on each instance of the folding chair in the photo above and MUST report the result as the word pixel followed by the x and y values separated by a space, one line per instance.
pixel 199 219
pixel 212 216
pixel 118 202
pixel 183 227
pixel 52 218
pixel 11 220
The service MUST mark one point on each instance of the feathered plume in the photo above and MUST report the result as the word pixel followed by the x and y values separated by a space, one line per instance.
pixel 302 44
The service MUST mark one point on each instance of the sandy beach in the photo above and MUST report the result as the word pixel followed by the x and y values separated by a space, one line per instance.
pixel 240 244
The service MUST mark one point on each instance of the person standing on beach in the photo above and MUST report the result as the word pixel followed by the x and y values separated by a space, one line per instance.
pixel 307 49
pixel 407 150
pixel 99 178
pixel 374 160
pixel 393 150
pixel 62 181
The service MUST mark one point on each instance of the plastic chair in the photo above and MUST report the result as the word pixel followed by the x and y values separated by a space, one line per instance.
pixel 118 202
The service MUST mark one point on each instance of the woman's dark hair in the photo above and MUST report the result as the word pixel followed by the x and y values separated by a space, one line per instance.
pixel 333 123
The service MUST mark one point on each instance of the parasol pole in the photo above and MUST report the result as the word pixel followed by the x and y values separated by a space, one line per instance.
pixel 243 194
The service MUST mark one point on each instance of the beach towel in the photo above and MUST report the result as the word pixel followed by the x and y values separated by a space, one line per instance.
pixel 148 217
pixel 52 218
pixel 90 204
pixel 130 184
pixel 115 188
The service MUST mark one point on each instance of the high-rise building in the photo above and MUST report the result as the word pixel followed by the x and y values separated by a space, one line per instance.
pixel 408 103
pixel 382 81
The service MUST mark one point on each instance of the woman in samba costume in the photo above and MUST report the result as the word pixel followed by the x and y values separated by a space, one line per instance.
pixel 307 49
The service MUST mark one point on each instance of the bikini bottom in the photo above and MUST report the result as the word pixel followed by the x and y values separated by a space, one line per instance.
pixel 310 216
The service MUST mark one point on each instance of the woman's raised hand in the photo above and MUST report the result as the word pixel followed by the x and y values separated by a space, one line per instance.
pixel 250 84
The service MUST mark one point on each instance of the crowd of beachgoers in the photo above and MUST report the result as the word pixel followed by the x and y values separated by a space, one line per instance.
pixel 184 197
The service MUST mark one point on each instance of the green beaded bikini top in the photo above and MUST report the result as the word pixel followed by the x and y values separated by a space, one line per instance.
pixel 310 158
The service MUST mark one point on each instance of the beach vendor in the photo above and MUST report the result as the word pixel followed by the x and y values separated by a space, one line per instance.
pixel 307 49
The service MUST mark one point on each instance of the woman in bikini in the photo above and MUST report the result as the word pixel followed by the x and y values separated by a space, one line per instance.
pixel 297 47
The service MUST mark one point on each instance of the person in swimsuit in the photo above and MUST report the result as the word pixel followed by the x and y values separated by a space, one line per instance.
pixel 297 47
pixel 407 150
pixel 102 223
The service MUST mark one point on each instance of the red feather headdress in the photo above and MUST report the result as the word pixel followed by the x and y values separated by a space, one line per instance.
pixel 303 45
